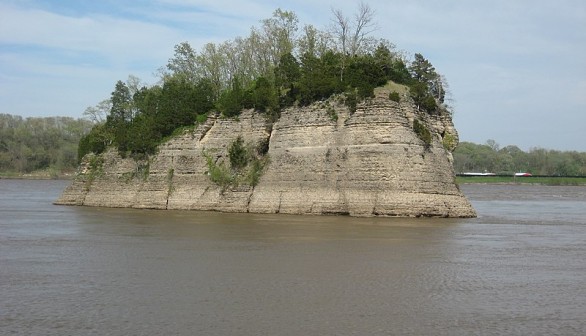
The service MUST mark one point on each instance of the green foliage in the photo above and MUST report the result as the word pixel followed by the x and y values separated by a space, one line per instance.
pixel 180 103
pixel 40 145
pixel 449 142
pixel 264 96
pixel 95 167
pixel 238 154
pixel 219 173
pixel 96 141
pixel 422 132
pixel 287 76
pixel 351 100
pixel 320 77
pixel 394 96
pixel 232 100
pixel 391 65
pixel 246 164
pixel 427 87
pixel 332 113
pixel 159 111
pixel 96 162
pixel 259 72
pixel 363 72
pixel 420 95
pixel 201 118
pixel 120 111
pixel 470 157
pixel 255 172
pixel 422 70
pixel 399 72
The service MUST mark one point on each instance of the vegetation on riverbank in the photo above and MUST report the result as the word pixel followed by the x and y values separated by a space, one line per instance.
pixel 37 175
pixel 39 148
pixel 490 157
pixel 541 180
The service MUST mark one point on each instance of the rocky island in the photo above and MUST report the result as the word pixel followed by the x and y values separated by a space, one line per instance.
pixel 313 123
pixel 367 163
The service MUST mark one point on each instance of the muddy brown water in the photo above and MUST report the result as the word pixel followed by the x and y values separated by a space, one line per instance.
pixel 517 269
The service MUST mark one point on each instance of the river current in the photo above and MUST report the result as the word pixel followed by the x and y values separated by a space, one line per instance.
pixel 517 269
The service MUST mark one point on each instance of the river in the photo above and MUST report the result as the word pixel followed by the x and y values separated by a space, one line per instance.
pixel 517 269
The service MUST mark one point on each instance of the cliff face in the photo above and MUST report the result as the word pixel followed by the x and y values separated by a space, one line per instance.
pixel 368 163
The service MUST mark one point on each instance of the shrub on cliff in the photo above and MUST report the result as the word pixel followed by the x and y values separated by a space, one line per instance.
pixel 218 173
pixel 238 154
pixel 422 132
pixel 394 96
pixel 247 163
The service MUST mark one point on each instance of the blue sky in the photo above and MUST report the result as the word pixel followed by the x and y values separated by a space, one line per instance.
pixel 516 69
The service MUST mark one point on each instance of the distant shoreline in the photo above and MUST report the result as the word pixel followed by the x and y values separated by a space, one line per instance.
pixel 35 176
pixel 538 180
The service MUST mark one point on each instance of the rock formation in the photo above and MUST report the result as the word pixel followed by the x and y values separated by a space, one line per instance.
pixel 323 159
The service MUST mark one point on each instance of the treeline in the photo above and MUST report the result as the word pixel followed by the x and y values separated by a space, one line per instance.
pixel 470 157
pixel 277 65
pixel 34 144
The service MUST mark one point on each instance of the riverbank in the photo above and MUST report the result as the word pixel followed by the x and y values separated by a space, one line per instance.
pixel 40 175
pixel 541 180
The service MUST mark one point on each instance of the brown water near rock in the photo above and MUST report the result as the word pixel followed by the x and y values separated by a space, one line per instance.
pixel 517 269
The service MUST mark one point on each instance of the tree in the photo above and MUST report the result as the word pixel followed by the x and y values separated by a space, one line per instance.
pixel 391 64
pixel 99 112
pixel 493 145
pixel 352 36
pixel 264 97
pixel 121 100
pixel 287 75
pixel 231 100
pixel 420 95
pixel 96 141
pixel 120 114
pixel 399 72
pixel 364 74
pixel 424 72
pixel 147 100
pixel 184 62
pixel 313 42
pixel 319 77
pixel 279 34
pixel 211 61
pixel 146 135
pixel 180 102
pixel 363 27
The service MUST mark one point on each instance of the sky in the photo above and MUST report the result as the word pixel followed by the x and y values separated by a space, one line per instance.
pixel 516 69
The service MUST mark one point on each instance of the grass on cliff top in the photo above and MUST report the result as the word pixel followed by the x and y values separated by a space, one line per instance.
pixel 392 86
pixel 553 181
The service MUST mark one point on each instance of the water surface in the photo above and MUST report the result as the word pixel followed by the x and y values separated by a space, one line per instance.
pixel 517 269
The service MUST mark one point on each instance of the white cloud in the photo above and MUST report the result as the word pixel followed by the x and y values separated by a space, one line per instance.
pixel 115 38
pixel 502 58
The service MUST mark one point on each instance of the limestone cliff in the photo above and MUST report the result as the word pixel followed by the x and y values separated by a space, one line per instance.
pixel 322 160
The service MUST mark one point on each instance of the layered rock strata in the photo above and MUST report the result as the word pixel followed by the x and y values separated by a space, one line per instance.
pixel 322 160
